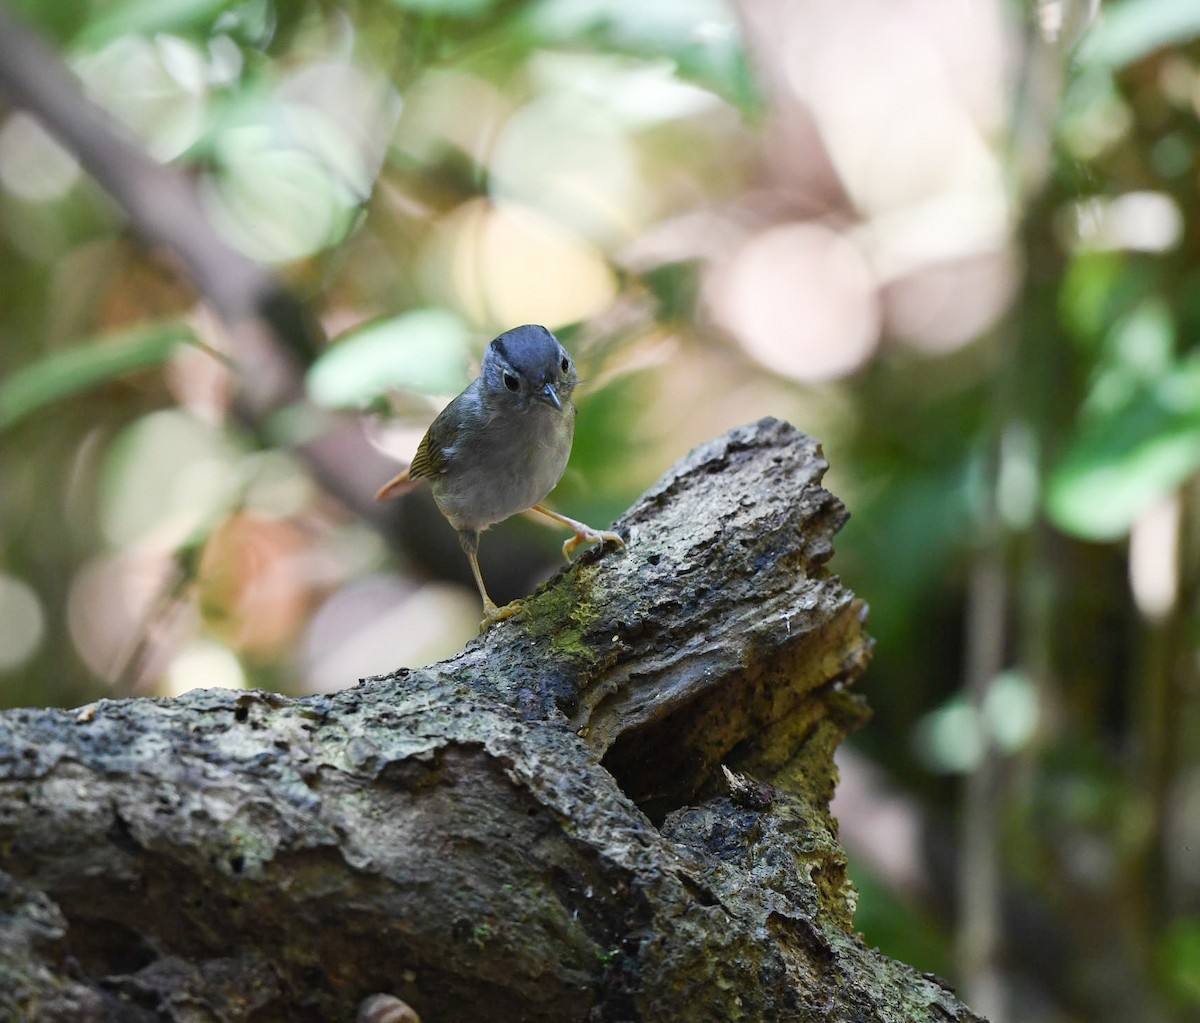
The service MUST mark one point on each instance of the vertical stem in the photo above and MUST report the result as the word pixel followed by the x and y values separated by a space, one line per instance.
pixel 1019 400
pixel 979 925
pixel 1154 577
pixel 1164 581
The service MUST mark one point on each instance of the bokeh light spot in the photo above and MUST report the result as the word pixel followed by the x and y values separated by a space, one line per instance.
pixel 572 162
pixel 22 622
pixel 504 264
pixel 154 86
pixel 941 306
pixel 378 623
pixel 125 616
pixel 203 664
pixel 32 165
pixel 167 470
pixel 801 299
pixel 951 739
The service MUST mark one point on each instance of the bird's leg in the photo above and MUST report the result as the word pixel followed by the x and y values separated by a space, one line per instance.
pixel 583 533
pixel 469 539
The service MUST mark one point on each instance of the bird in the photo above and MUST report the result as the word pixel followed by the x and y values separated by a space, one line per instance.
pixel 501 446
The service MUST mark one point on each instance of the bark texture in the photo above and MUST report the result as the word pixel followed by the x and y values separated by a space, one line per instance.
pixel 539 828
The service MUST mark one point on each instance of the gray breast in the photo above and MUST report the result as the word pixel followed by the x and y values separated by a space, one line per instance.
pixel 505 468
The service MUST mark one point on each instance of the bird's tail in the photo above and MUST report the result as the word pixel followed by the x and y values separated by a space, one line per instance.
pixel 397 486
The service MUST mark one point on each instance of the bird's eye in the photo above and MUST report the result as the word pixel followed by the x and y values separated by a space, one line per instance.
pixel 565 365
pixel 511 382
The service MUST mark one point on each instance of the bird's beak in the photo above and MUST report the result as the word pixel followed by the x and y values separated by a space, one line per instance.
pixel 550 396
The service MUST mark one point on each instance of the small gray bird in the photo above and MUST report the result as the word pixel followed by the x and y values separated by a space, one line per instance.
pixel 501 446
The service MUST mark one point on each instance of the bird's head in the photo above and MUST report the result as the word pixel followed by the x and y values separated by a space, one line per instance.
pixel 527 365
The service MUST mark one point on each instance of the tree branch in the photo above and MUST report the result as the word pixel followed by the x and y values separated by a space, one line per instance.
pixel 536 829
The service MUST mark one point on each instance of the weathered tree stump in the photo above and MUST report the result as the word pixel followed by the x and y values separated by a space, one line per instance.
pixel 536 829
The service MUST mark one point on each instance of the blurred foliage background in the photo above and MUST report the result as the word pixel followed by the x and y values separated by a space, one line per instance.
pixel 957 242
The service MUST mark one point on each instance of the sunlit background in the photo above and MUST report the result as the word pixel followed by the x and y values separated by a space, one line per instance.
pixel 956 241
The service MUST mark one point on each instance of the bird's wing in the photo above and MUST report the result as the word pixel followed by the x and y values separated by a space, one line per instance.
pixel 429 461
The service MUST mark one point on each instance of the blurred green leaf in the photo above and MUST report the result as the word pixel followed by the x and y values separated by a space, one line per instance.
pixel 59 21
pixel 282 202
pixel 1180 959
pixel 1010 710
pixel 1130 30
pixel 1138 349
pixel 597 482
pixel 1121 461
pixel 76 369
pixel 451 8
pixel 901 927
pixel 1094 118
pixel 1101 287
pixel 702 37
pixel 148 17
pixel 424 350
pixel 952 738
pixel 676 287
pixel 909 521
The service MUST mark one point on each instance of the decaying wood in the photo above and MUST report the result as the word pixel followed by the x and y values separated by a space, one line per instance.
pixel 611 807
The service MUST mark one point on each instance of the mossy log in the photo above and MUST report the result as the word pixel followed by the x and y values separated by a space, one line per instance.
pixel 613 806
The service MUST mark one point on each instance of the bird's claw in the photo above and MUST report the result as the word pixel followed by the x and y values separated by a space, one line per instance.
pixel 493 614
pixel 590 536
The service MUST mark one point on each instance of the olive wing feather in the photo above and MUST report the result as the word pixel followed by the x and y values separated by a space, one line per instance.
pixel 429 461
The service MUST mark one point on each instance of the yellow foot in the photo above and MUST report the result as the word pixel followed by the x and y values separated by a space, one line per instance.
pixel 493 614
pixel 588 535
